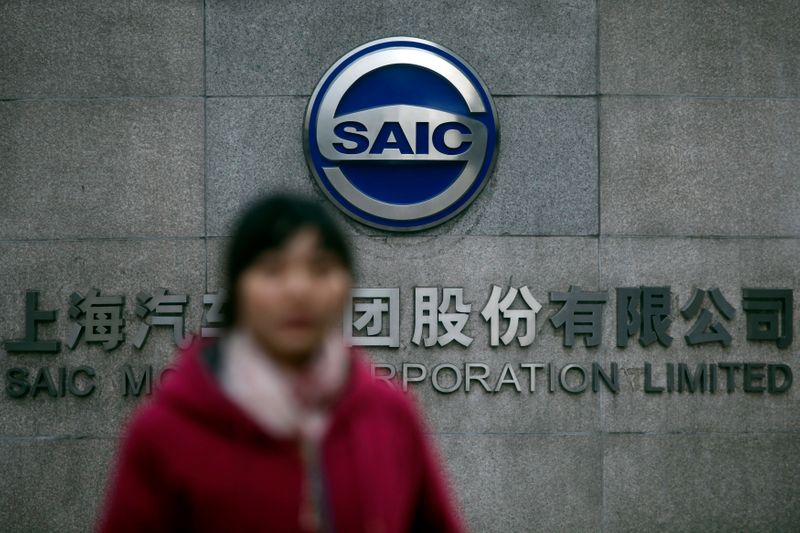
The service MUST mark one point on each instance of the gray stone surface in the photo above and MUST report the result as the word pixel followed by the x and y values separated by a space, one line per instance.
pixel 701 482
pixel 101 168
pixel 52 484
pixel 255 145
pixel 716 47
pixel 116 267
pixel 541 47
pixel 699 166
pixel 544 183
pixel 527 482
pixel 475 264
pixel 686 264
pixel 101 48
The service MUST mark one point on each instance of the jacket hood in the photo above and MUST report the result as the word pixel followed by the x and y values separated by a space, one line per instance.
pixel 192 391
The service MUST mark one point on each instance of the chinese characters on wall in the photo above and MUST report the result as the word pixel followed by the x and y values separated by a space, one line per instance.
pixel 440 317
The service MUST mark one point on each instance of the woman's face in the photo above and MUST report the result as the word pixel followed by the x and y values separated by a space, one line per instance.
pixel 291 297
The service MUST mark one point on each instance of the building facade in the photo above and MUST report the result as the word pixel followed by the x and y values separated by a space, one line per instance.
pixel 648 151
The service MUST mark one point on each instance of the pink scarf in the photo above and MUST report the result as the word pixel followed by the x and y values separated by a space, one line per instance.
pixel 284 401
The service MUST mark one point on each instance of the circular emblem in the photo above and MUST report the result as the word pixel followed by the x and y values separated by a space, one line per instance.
pixel 401 134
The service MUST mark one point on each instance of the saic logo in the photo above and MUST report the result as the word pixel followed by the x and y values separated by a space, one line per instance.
pixel 401 134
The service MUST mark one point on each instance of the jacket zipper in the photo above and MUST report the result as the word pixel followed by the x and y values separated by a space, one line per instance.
pixel 311 506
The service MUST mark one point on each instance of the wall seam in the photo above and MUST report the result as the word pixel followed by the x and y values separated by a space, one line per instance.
pixel 745 97
pixel 205 159
pixel 601 405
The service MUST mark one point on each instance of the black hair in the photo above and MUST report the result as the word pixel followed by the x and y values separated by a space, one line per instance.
pixel 267 224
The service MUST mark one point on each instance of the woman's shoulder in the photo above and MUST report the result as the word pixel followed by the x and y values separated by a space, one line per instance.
pixel 378 392
pixel 155 416
pixel 146 424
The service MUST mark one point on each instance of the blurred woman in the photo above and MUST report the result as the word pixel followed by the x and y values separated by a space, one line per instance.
pixel 278 425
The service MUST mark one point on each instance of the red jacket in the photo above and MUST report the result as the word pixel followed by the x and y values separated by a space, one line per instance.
pixel 192 460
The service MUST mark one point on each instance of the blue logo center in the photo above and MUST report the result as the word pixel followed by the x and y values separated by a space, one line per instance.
pixel 401 134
